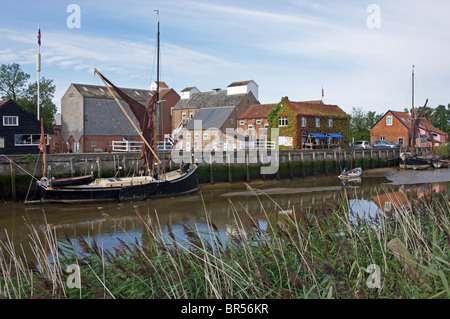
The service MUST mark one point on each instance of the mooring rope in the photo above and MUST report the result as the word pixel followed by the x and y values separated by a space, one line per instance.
pixel 12 161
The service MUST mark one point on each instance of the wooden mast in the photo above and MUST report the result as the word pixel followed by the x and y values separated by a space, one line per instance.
pixel 128 117
pixel 156 109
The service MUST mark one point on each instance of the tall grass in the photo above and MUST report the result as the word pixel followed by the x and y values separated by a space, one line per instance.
pixel 294 256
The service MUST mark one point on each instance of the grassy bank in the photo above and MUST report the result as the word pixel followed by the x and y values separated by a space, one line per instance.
pixel 403 254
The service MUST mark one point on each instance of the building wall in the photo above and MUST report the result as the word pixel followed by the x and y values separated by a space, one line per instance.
pixel 247 101
pixel 391 133
pixel 259 128
pixel 27 125
pixel 72 114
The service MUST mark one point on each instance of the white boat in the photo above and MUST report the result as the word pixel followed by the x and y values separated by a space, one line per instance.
pixel 355 172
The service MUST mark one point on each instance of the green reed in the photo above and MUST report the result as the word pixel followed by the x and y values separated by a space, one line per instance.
pixel 331 255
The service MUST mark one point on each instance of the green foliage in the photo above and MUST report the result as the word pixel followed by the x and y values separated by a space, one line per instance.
pixel 12 81
pixel 13 85
pixel 295 256
pixel 442 151
pixel 47 107
pixel 361 122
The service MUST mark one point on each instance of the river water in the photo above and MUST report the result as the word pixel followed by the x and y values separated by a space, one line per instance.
pixel 378 191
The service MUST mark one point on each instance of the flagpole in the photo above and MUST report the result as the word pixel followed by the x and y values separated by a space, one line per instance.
pixel 38 68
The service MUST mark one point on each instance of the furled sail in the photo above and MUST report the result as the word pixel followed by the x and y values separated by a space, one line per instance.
pixel 144 115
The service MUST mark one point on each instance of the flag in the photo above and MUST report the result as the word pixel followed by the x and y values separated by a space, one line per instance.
pixel 43 146
pixel 322 92
pixel 39 36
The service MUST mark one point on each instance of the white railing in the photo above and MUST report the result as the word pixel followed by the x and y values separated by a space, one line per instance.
pixel 127 146
pixel 225 146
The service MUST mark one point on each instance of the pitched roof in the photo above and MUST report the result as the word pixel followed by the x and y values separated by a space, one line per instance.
pixel 257 111
pixel 240 83
pixel 100 92
pixel 210 99
pixel 213 117
pixel 11 103
pixel 312 108
pixel 405 119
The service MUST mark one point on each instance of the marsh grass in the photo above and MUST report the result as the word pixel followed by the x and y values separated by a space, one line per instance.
pixel 294 256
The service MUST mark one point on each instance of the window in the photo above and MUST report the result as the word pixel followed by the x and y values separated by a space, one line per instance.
pixel 183 115
pixel 196 136
pixel 317 121
pixel 10 121
pixel 191 115
pixel 205 135
pixel 2 142
pixel 389 120
pixel 241 122
pixel 383 138
pixel 28 139
pixel 93 143
pixel 400 140
pixel 258 121
pixel 282 121
pixel 330 122
pixel 250 127
pixel 303 121
pixel 188 135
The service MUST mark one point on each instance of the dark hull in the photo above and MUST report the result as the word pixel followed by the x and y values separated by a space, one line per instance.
pixel 72 181
pixel 414 163
pixel 187 183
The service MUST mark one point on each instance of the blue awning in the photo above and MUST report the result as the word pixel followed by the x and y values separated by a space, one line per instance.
pixel 334 135
pixel 316 135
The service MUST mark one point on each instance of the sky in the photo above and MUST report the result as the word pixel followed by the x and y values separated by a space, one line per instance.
pixel 360 52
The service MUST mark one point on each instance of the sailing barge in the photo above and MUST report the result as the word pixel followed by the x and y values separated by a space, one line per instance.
pixel 156 184
pixel 179 182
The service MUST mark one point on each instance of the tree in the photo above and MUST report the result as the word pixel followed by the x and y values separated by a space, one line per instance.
pixel 13 85
pixel 440 118
pixel 12 81
pixel 47 108
pixel 360 123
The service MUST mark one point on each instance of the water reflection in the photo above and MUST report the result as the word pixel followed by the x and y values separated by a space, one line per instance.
pixel 367 197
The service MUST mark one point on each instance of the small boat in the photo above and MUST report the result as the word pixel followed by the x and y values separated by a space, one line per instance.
pixel 347 174
pixel 413 162
pixel 441 164
pixel 71 181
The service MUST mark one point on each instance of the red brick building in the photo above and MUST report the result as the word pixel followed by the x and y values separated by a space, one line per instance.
pixel 254 123
pixel 394 127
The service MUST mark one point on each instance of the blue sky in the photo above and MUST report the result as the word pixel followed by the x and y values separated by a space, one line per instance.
pixel 289 48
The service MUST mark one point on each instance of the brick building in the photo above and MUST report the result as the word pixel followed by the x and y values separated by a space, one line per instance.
pixel 311 124
pixel 91 119
pixel 238 94
pixel 394 127
pixel 254 122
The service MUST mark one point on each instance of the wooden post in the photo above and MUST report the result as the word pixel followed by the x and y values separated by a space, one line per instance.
pixel 230 177
pixel 290 166
pixel 211 169
pixel 246 167
pixel 13 181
